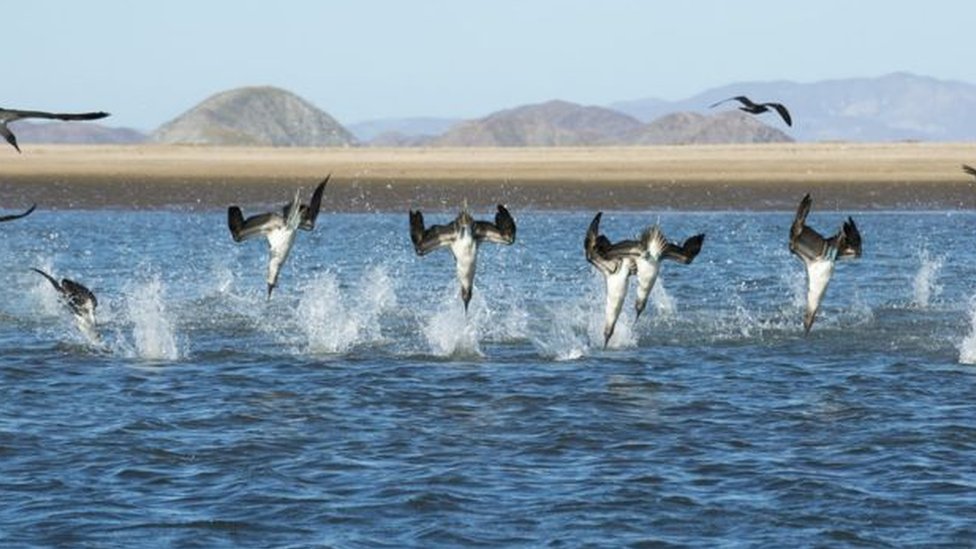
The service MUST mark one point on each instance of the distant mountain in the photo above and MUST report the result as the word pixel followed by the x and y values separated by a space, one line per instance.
pixel 408 127
pixel 398 139
pixel 685 128
pixel 550 124
pixel 898 106
pixel 75 133
pixel 255 116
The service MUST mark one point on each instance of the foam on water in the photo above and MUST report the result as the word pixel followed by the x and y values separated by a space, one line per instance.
pixel 153 336
pixel 924 285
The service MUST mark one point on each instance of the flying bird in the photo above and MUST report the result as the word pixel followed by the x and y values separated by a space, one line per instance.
pixel 12 115
pixel 278 228
pixel 819 255
pixel 462 236
pixel 80 300
pixel 640 257
pixel 18 216
pixel 969 169
pixel 758 108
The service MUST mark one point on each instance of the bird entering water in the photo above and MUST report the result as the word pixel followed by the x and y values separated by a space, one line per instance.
pixel 463 235
pixel 12 115
pixel 641 257
pixel 278 228
pixel 80 300
pixel 819 255
pixel 758 108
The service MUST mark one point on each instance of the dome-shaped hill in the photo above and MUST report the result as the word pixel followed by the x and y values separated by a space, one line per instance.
pixel 255 116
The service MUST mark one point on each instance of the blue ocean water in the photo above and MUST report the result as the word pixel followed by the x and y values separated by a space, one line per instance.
pixel 360 407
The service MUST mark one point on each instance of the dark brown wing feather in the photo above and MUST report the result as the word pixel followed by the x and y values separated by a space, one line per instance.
pixel 595 247
pixel 502 231
pixel 426 240
pixel 13 114
pixel 685 253
pixel 311 212
pixel 804 241
pixel 785 114
pixel 242 229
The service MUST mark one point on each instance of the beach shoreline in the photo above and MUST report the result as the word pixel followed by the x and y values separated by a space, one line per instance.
pixel 868 176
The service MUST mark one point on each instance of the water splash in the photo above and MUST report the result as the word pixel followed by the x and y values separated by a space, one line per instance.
pixel 452 333
pixel 924 286
pixel 153 336
pixel 967 349
pixel 330 325
pixel 664 304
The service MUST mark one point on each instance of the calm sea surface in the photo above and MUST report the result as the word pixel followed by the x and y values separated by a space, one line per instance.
pixel 361 408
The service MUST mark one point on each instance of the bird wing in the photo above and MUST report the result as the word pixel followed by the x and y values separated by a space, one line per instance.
pixel 11 217
pixel 969 169
pixel 596 245
pixel 804 241
pixel 8 135
pixel 431 238
pixel 740 98
pixel 50 279
pixel 625 248
pixel 13 114
pixel 685 253
pixel 311 212
pixel 502 231
pixel 849 241
pixel 261 224
pixel 785 114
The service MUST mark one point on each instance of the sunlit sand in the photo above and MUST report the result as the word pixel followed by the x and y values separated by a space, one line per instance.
pixel 841 175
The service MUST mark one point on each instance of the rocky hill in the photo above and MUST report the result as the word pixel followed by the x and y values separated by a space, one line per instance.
pixel 255 116
pixel 87 133
pixel 550 124
pixel 685 128
pixel 894 107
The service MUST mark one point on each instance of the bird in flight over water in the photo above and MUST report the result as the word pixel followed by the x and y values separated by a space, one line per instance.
pixel 462 236
pixel 278 228
pixel 12 115
pixel 819 255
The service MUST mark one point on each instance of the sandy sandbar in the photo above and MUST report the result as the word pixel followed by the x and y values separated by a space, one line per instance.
pixel 753 177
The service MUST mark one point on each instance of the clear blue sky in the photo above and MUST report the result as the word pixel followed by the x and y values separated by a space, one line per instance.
pixel 148 61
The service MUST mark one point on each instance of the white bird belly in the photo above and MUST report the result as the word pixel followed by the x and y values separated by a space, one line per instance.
pixel 818 277
pixel 280 242
pixel 465 250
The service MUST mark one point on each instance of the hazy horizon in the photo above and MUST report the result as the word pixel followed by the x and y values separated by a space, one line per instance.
pixel 383 59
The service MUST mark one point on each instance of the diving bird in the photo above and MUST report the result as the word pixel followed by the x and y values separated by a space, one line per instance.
pixel 12 115
pixel 463 236
pixel 79 299
pixel 969 169
pixel 758 108
pixel 18 216
pixel 819 255
pixel 278 228
pixel 640 257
